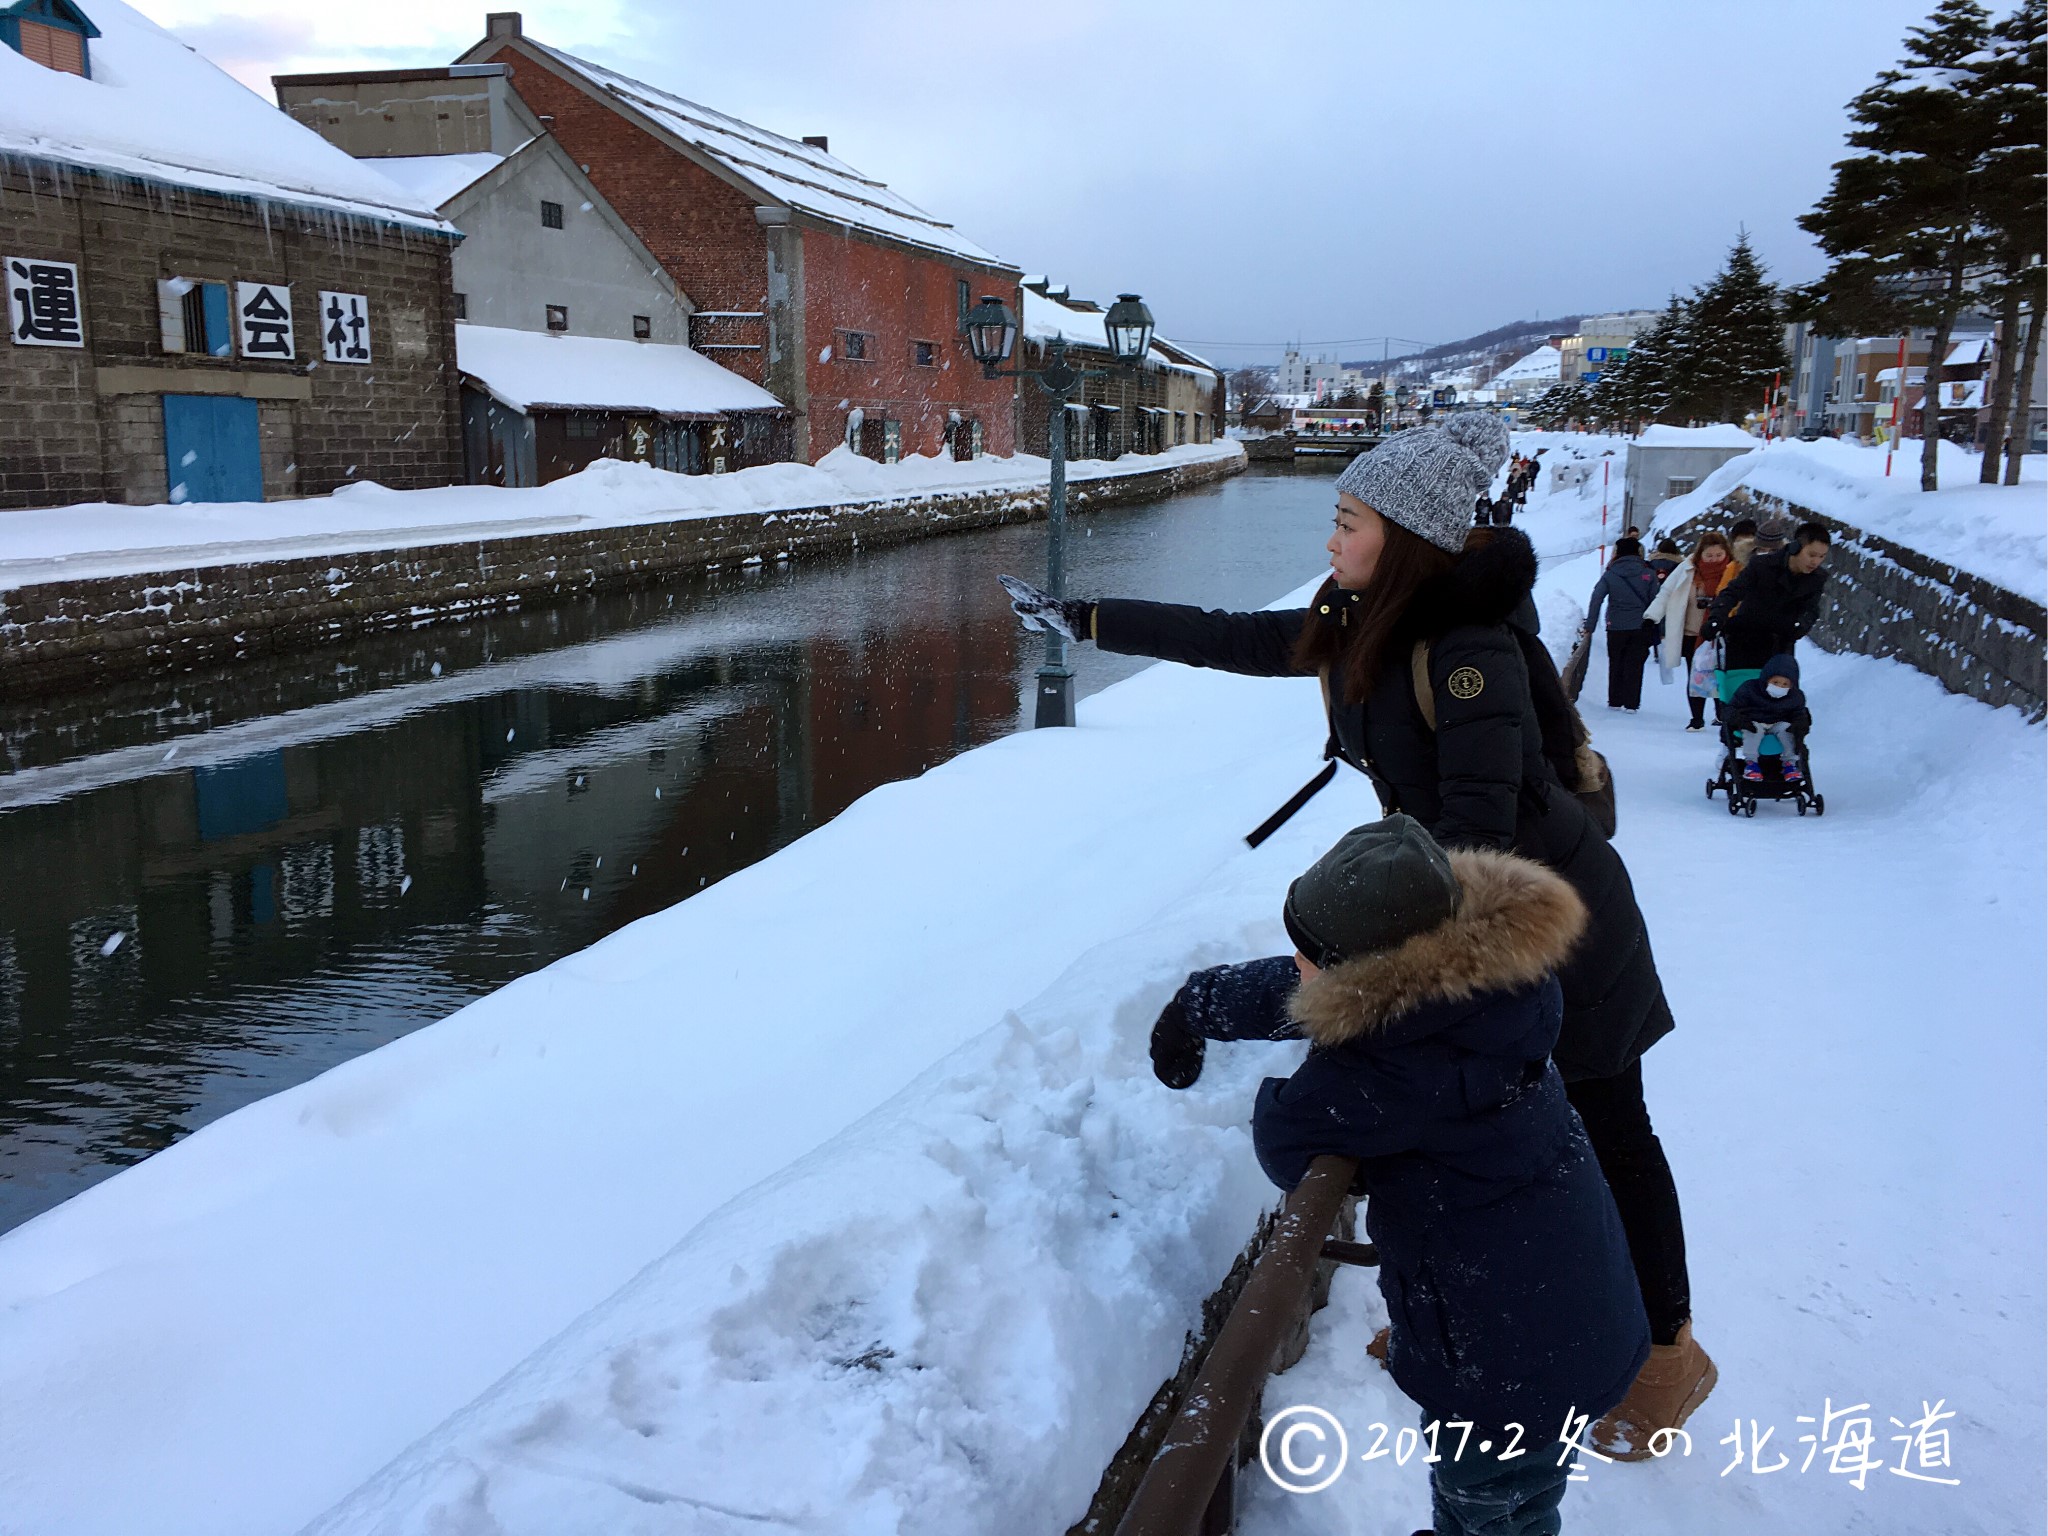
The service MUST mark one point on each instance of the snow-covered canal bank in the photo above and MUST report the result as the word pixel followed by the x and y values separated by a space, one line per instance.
pixel 841 1197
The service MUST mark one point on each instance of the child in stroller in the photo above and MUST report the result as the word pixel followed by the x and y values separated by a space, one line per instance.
pixel 1764 743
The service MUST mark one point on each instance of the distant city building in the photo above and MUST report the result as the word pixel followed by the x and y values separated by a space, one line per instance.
pixel 1602 341
pixel 222 308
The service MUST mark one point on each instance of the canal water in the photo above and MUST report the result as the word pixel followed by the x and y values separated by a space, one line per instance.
pixel 220 885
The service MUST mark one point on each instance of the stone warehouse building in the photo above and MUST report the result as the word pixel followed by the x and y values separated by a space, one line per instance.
pixel 573 341
pixel 842 298
pixel 1174 398
pixel 205 302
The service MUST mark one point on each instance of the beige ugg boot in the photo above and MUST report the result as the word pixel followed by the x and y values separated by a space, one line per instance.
pixel 1672 1383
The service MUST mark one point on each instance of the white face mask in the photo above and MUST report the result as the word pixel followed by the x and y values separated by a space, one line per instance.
pixel 1777 690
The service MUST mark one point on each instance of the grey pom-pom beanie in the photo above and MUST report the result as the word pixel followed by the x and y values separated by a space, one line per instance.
pixel 1427 478
pixel 1381 884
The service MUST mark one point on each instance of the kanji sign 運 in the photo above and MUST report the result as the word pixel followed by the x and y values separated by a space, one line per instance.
pixel 43 308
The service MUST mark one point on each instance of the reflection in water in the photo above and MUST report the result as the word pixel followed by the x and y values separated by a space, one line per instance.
pixel 221 885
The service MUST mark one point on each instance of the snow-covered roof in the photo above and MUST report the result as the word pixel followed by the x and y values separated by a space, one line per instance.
pixel 154 108
pixel 1956 395
pixel 1914 375
pixel 1969 351
pixel 1543 363
pixel 537 369
pixel 1045 318
pixel 784 170
pixel 1723 435
pixel 435 178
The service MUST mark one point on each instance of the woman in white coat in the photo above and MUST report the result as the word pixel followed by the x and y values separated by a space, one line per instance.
pixel 1681 607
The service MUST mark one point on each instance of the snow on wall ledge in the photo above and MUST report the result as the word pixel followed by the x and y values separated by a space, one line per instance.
pixel 1884 598
pixel 93 593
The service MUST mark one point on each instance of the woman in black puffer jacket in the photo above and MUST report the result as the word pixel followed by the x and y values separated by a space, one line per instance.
pixel 1421 605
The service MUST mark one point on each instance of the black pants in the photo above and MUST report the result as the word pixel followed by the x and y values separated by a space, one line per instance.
pixel 1631 1157
pixel 1627 650
pixel 1694 702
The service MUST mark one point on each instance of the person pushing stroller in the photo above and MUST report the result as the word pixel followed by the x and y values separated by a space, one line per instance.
pixel 1770 704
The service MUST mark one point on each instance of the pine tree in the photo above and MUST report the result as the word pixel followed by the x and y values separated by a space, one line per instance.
pixel 2011 180
pixel 1731 343
pixel 1901 224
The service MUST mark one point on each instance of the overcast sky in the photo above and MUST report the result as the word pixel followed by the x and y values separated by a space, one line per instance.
pixel 1426 171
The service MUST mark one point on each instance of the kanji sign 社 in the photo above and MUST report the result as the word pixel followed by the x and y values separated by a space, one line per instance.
pixel 344 327
pixel 43 308
pixel 263 316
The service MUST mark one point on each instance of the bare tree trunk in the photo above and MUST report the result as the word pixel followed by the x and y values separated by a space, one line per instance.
pixel 2001 396
pixel 1937 359
pixel 2023 400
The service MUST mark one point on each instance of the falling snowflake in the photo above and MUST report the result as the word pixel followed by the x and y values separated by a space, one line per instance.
pixel 405 885
pixel 435 669
pixel 113 942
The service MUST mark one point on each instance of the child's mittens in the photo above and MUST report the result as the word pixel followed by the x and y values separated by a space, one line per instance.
pixel 1176 1051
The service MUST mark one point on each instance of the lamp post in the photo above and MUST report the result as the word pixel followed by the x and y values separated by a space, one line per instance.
pixel 991 337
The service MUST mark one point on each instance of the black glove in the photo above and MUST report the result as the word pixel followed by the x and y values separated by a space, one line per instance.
pixel 1071 616
pixel 1176 1052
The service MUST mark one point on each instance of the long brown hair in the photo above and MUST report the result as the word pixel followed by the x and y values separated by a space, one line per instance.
pixel 1353 640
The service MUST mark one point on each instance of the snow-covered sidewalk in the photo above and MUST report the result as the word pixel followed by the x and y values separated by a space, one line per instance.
pixel 96 539
pixel 840 1197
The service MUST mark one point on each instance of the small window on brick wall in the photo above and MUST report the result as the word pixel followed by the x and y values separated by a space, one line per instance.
pixel 462 306
pixel 558 317
pixel 854 345
pixel 925 353
pixel 643 327
pixel 551 215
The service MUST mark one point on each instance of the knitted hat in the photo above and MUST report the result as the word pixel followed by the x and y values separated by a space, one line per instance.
pixel 1380 885
pixel 1427 478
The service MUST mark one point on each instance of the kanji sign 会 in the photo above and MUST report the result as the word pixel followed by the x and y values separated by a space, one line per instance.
pixel 263 317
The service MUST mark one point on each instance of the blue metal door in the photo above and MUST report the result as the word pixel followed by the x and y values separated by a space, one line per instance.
pixel 210 448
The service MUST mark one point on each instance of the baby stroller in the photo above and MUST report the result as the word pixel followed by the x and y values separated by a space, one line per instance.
pixel 1744 793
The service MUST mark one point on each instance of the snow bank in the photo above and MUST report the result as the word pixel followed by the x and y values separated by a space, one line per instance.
pixel 232 1335
pixel 1721 435
pixel 1997 532
pixel 154 108
pixel 109 539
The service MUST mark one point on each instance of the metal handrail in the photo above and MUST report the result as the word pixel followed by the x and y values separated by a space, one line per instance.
pixel 1200 1447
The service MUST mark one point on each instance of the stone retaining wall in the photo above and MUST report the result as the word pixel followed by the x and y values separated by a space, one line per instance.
pixel 1884 599
pixel 66 634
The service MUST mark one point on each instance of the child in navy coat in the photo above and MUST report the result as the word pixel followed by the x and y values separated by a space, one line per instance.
pixel 1424 983
pixel 1771 704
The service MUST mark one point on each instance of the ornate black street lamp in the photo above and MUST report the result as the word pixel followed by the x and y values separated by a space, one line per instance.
pixel 991 337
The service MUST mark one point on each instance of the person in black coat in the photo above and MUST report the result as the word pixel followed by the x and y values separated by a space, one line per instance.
pixel 1425 989
pixel 1626 588
pixel 1773 601
pixel 1412 582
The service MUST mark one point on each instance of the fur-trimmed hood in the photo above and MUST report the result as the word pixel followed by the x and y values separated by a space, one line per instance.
pixel 1516 922
pixel 1485 585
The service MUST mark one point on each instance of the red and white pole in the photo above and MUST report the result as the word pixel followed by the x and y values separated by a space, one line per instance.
pixel 1898 396
pixel 1606 472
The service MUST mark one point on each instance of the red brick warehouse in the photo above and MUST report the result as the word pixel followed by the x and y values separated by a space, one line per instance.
pixel 842 298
